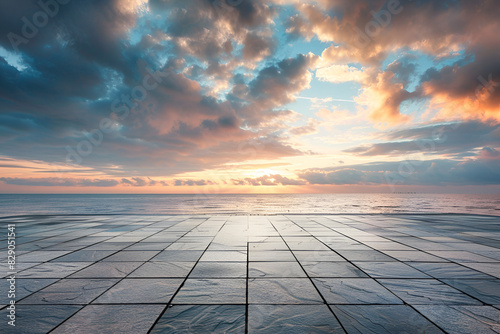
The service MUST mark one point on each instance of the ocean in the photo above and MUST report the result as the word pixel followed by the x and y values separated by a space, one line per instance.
pixel 250 204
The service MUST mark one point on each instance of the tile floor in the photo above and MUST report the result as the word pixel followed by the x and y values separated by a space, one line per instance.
pixel 254 274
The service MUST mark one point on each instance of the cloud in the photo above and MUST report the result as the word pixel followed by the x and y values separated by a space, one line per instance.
pixel 439 172
pixel 59 182
pixel 338 177
pixel 310 128
pixel 339 73
pixel 268 180
pixel 192 183
pixel 368 32
pixel 454 138
pixel 138 182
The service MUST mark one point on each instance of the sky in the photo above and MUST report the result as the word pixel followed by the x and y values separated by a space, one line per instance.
pixel 249 96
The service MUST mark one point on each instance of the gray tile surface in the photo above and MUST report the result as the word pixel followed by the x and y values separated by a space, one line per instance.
pixel 70 291
pixel 212 291
pixel 275 269
pixel 292 319
pixel 354 291
pixel 282 291
pixel 463 319
pixel 427 292
pixel 103 319
pixel 37 319
pixel 140 291
pixel 382 319
pixel 202 319
pixel 256 274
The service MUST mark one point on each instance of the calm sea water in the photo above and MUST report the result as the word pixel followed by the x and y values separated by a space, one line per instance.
pixel 249 204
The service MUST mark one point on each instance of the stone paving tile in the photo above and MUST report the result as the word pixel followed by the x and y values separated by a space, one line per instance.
pixel 447 270
pixel 115 246
pixel 463 319
pixel 292 319
pixel 354 291
pixel 188 246
pixel 389 270
pixel 202 319
pixel 238 274
pixel 365 255
pixel 268 246
pixel 212 291
pixel 382 319
pixel 104 319
pixel 148 246
pixel 284 256
pixel 388 246
pixel 84 256
pixel 163 269
pixel 177 256
pixel 282 291
pixel 40 256
pixel 487 291
pixel 414 255
pixel 140 291
pixel 131 256
pixel 4 267
pixel 70 291
pixel 275 269
pixel 219 270
pixel 53 270
pixel 107 270
pixel 332 269
pixel 24 287
pixel 462 256
pixel 492 269
pixel 232 256
pixel 37 319
pixel 426 292
pixel 318 256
